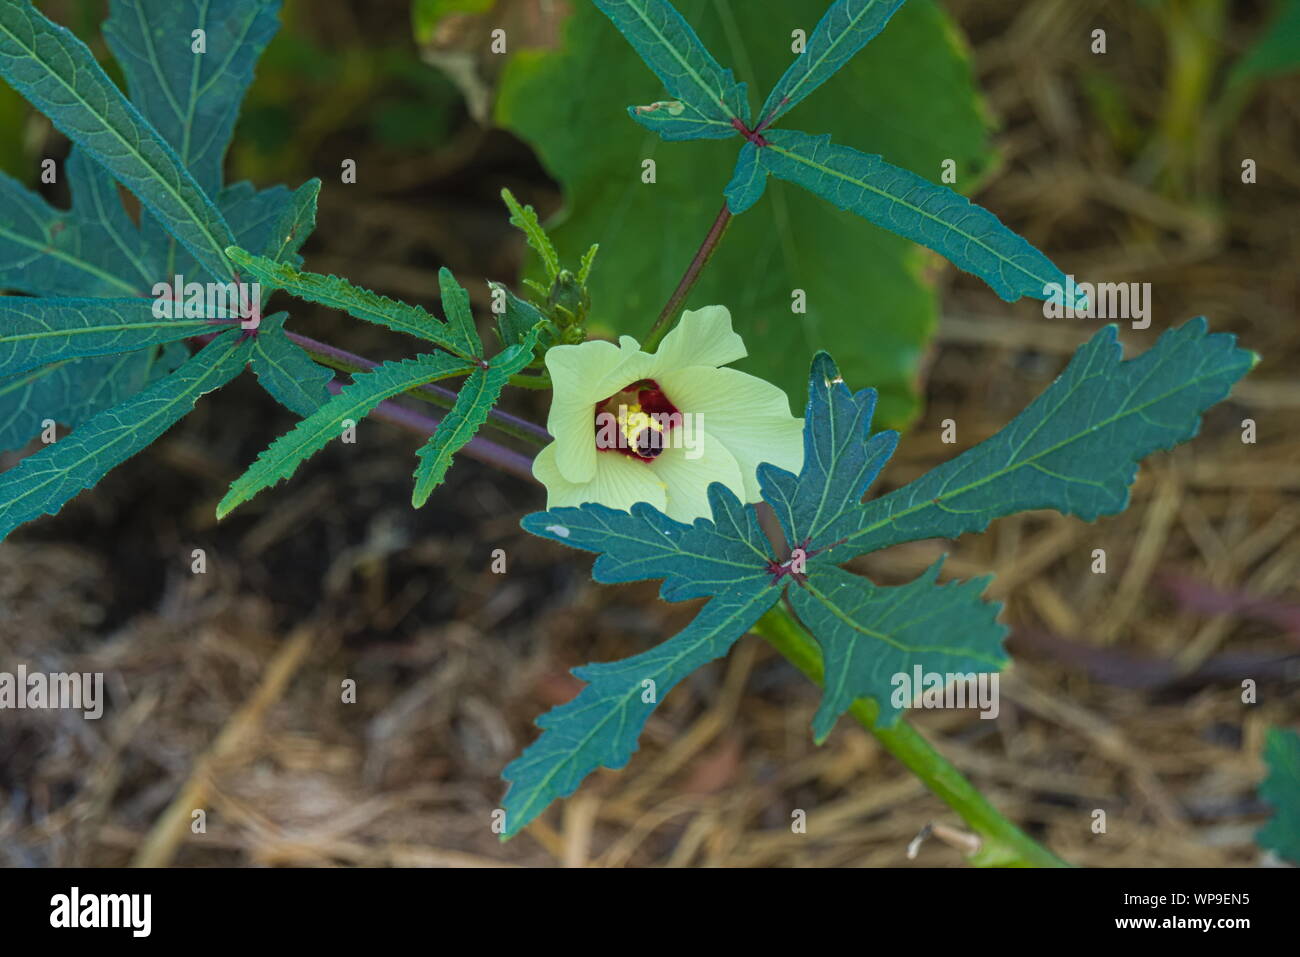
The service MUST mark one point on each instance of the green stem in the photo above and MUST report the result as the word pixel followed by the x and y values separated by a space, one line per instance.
pixel 1002 844
pixel 529 381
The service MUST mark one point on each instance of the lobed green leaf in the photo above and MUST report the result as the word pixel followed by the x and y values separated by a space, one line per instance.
pixel 1281 789
pixel 282 457
pixel 600 727
pixel 1074 449
pixel 58 74
pixel 869 635
pixel 43 482
pixel 968 236
pixel 709 95
pixel 845 28
pixel 34 332
pixel 475 401
pixel 359 303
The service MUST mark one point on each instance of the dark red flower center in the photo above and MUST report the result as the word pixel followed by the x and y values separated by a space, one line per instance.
pixel 636 421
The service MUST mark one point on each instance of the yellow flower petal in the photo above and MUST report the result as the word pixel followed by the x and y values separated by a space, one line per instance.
pixel 703 337
pixel 576 373
pixel 619 481
pixel 748 415
pixel 687 479
pixel 745 421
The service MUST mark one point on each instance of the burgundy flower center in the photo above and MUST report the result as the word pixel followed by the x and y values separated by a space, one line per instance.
pixel 636 421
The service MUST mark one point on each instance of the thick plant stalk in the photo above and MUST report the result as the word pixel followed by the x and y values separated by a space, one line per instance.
pixel 1002 844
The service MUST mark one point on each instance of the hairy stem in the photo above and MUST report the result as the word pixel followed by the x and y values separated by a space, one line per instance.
pixel 1001 843
pixel 697 264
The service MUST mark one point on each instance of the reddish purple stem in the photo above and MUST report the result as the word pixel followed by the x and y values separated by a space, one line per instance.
pixel 483 450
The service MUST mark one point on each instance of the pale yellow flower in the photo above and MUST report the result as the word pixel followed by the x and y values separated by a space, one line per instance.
pixel 619 439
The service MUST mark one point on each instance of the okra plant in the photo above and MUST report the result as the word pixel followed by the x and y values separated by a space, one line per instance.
pixel 657 455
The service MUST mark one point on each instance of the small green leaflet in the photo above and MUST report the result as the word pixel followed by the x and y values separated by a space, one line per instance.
pixel 524 218
pixel 1087 429
pixel 600 727
pixel 969 236
pixel 1075 448
pixel 869 634
pixel 41 483
pixel 748 181
pixel 281 458
pixel 461 332
pixel 708 95
pixel 519 318
pixel 846 28
pixel 476 399
pixel 1281 789
pixel 34 332
pixel 360 303
pixel 674 121
pixel 58 74
pixel 285 371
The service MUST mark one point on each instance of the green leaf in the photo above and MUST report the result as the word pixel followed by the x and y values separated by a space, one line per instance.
pixel 191 99
pixel 58 74
pixel 673 120
pixel 338 293
pixel 868 299
pixel 706 558
pixel 870 635
pixel 36 331
pixel 285 370
pixel 92 249
pixel 1088 427
pixel 519 319
pixel 524 218
pixel 1074 449
pixel 294 222
pixel 600 727
pixel 462 333
pixel 846 28
pixel 840 461
pixel 748 181
pixel 282 457
pixel 969 236
pixel 474 402
pixel 1275 52
pixel 1282 790
pixel 585 264
pixel 70 392
pixel 709 95
pixel 41 483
